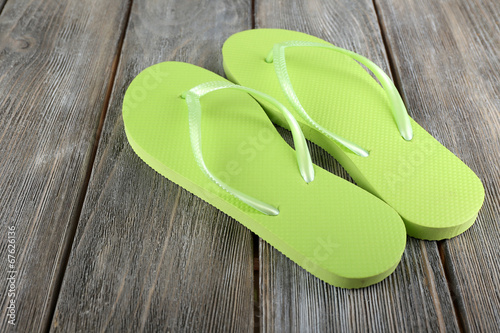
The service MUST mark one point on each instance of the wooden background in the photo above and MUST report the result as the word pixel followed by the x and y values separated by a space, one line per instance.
pixel 103 243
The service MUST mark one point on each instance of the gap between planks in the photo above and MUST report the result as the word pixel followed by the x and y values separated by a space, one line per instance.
pixel 256 240
pixel 2 6
pixel 394 71
pixel 58 279
pixel 252 13
pixel 448 274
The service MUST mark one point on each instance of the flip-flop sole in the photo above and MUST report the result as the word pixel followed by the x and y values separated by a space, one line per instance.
pixel 435 193
pixel 335 230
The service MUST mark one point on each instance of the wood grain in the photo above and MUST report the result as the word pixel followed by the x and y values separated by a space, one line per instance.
pixel 56 63
pixel 416 296
pixel 447 54
pixel 413 298
pixel 148 255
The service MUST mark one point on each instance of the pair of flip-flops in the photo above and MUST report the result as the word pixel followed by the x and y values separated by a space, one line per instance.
pixel 231 156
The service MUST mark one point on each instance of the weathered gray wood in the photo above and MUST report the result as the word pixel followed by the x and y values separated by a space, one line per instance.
pixel 148 255
pixel 413 298
pixel 56 63
pixel 447 54
pixel 416 297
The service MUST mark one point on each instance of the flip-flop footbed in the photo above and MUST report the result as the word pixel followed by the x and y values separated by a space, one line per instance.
pixel 435 193
pixel 332 228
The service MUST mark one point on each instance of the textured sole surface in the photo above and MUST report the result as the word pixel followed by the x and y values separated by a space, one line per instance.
pixel 335 230
pixel 435 193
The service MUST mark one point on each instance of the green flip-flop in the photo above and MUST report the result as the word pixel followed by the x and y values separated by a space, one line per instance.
pixel 332 228
pixel 360 122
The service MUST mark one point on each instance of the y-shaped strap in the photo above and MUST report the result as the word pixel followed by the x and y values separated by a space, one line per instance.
pixel 277 54
pixel 192 98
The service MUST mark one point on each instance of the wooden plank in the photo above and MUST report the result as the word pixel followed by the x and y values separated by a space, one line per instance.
pixel 416 296
pixel 447 54
pixel 413 298
pixel 148 255
pixel 56 63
